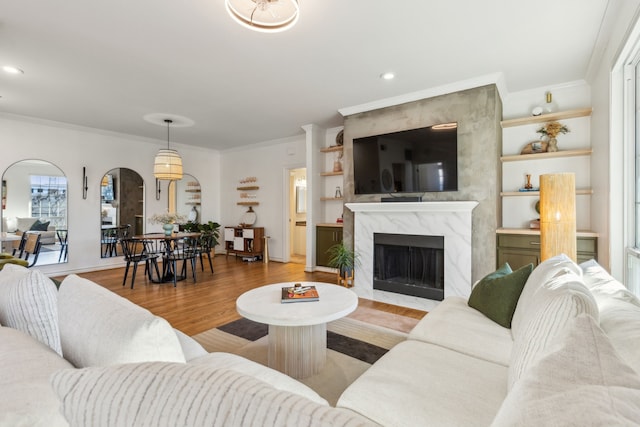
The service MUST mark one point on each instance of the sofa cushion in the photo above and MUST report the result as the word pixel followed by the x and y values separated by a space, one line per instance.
pixel 496 295
pixel 418 384
pixel 603 286
pixel 455 325
pixel 546 270
pixel 26 396
pixel 580 381
pixel 173 394
pixel 99 328
pixel 39 226
pixel 33 308
pixel 551 309
pixel 248 367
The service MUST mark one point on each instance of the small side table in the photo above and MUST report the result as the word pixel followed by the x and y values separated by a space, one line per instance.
pixel 297 331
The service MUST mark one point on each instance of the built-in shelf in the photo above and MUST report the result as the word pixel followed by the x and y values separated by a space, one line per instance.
pixel 248 188
pixel 331 173
pixel 192 203
pixel 325 199
pixel 541 156
pixel 248 203
pixel 579 192
pixel 582 112
pixel 192 191
pixel 331 149
pixel 536 232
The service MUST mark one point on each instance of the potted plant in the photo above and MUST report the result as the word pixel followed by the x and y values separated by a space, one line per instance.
pixel 344 259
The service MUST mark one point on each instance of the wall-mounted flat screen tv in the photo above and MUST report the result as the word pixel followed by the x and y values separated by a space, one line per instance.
pixel 412 161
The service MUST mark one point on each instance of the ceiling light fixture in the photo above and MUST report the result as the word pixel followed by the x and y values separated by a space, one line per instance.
pixel 12 70
pixel 268 16
pixel 168 163
pixel 387 76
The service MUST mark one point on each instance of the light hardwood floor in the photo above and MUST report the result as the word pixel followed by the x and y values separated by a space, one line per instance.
pixel 210 302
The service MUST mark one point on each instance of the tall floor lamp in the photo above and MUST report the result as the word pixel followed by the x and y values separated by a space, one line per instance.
pixel 558 215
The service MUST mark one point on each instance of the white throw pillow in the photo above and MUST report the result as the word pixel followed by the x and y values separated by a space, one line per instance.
pixel 545 271
pixel 171 394
pixel 33 309
pixel 100 328
pixel 10 275
pixel 551 309
pixel 580 381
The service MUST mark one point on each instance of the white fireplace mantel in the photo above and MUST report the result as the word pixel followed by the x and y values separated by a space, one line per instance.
pixel 450 219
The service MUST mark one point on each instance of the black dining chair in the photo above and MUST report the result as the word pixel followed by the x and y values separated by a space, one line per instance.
pixel 204 245
pixel 182 251
pixel 135 252
pixel 18 246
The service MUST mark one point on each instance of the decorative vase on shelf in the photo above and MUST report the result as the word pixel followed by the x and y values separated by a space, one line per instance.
pixel 552 145
pixel 168 229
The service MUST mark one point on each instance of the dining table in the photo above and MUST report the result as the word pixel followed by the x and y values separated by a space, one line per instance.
pixel 8 237
pixel 164 244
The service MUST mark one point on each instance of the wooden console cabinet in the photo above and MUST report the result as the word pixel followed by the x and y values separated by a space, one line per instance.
pixel 246 242
pixel 519 249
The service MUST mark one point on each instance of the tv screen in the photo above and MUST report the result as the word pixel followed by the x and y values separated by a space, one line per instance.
pixel 412 161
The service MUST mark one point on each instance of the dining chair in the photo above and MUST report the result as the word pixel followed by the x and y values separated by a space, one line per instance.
pixel 109 241
pixel 182 251
pixel 135 252
pixel 204 245
pixel 18 245
pixel 63 235
pixel 32 248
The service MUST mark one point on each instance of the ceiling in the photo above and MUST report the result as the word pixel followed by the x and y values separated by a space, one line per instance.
pixel 107 64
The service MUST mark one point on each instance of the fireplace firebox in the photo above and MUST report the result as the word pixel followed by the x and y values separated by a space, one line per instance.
pixel 409 264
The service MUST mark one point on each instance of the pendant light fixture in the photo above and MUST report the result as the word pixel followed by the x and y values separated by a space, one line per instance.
pixel 168 163
pixel 269 16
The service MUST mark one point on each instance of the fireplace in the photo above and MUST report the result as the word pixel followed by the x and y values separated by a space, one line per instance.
pixel 449 220
pixel 409 264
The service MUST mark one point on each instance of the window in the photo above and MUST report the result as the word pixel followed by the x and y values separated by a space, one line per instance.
pixel 49 199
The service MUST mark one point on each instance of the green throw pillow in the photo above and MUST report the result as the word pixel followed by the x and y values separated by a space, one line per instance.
pixel 39 226
pixel 496 295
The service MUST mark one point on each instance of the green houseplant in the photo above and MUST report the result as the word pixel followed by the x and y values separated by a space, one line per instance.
pixel 344 259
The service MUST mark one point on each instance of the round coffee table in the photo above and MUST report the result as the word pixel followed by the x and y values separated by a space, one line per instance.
pixel 298 330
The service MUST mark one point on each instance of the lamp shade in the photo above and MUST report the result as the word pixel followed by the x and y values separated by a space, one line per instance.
pixel 268 16
pixel 558 215
pixel 167 165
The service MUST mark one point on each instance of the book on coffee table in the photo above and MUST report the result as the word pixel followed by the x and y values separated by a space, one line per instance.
pixel 299 294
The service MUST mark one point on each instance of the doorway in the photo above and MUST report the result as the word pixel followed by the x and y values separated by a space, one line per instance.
pixel 297 215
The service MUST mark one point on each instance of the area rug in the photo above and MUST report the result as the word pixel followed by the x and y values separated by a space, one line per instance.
pixel 353 345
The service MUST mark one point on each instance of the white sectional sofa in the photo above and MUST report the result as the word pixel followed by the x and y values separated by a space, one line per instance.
pixel 570 357
pixel 47 237
pixel 123 366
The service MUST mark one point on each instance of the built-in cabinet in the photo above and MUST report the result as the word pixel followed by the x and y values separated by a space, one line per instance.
pixel 517 242
pixel 327 235
pixel 244 241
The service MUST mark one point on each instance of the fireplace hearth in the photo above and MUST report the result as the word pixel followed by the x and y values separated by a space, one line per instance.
pixel 409 265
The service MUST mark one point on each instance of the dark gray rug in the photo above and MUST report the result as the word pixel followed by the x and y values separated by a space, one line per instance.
pixel 351 347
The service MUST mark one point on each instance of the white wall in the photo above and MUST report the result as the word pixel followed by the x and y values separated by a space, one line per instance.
pixel 72 148
pixel 269 163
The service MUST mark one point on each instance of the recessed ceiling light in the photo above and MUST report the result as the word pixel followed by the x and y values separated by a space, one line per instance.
pixel 12 70
pixel 387 76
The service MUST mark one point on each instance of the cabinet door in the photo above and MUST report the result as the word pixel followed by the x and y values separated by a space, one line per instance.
pixel 238 244
pixel 325 238
pixel 228 234
pixel 517 257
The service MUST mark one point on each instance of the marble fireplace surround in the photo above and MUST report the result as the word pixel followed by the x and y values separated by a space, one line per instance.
pixel 451 219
